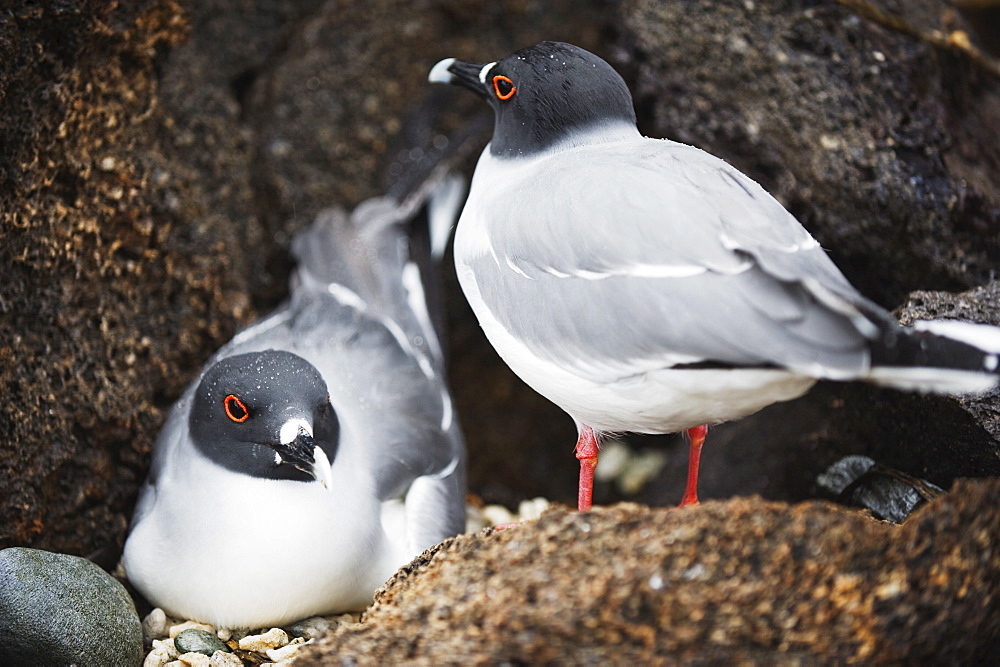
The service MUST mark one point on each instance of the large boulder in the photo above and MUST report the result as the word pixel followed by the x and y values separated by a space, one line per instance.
pixel 57 609
pixel 739 581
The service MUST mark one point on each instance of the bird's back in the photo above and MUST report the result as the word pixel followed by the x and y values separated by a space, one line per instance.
pixel 617 251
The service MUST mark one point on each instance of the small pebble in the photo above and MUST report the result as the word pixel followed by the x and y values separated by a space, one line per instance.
pixel 313 627
pixel 630 470
pixel 348 618
pixel 225 634
pixel 220 659
pixel 195 660
pixel 158 657
pixel 474 521
pixel 193 640
pixel 273 638
pixel 166 645
pixel 643 467
pixel 236 634
pixel 163 652
pixel 189 625
pixel 285 652
pixel 531 509
pixel 154 625
pixel 497 514
pixel 615 455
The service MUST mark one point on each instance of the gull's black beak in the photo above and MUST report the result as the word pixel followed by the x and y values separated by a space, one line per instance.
pixel 298 453
pixel 302 453
pixel 467 75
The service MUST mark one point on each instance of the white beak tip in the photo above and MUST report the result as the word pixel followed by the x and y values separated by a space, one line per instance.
pixel 439 73
pixel 322 469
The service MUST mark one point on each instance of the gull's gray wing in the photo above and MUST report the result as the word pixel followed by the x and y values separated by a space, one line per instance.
pixel 375 254
pixel 641 255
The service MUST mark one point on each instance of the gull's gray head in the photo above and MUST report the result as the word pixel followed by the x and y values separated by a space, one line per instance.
pixel 266 414
pixel 543 94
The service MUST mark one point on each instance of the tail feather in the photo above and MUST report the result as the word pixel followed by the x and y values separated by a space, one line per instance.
pixel 320 252
pixel 381 257
pixel 938 356
pixel 981 336
pixel 442 212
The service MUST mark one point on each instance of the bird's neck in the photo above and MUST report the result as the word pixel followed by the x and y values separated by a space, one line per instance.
pixel 603 133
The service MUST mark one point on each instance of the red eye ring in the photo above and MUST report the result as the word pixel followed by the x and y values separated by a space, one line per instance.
pixel 496 87
pixel 235 408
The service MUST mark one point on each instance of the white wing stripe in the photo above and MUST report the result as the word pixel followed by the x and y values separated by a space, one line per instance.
pixel 637 271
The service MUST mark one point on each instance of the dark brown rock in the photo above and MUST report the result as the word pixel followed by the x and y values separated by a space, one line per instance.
pixel 103 302
pixel 743 580
pixel 981 304
pixel 882 144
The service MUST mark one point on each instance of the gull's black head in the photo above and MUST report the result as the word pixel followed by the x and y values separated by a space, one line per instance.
pixel 543 94
pixel 266 414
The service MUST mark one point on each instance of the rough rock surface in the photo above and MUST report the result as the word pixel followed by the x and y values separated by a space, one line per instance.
pixel 881 144
pixel 981 304
pixel 743 580
pixel 57 609
pixel 104 300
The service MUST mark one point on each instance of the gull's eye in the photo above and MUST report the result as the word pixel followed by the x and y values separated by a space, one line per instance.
pixel 503 87
pixel 235 409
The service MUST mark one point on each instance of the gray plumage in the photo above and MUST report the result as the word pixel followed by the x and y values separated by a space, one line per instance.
pixel 650 287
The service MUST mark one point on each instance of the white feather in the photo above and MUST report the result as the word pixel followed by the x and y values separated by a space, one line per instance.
pixel 932 380
pixel 983 336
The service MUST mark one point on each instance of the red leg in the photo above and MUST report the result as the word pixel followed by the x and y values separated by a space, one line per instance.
pixel 586 451
pixel 697 436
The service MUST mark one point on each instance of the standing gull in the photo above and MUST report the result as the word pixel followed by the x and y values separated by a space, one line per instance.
pixel 646 286
pixel 317 451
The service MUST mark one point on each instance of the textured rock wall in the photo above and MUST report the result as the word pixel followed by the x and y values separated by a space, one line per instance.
pixel 106 300
pixel 741 580
pixel 883 145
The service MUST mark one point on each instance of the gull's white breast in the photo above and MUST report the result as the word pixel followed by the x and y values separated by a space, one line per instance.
pixel 254 550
